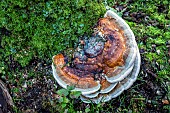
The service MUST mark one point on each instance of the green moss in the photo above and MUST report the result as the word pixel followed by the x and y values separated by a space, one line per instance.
pixel 46 27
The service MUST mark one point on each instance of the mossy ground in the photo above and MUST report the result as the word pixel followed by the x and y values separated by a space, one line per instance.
pixel 32 31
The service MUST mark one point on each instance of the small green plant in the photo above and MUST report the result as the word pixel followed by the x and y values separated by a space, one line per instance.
pixel 65 96
pixel 2 70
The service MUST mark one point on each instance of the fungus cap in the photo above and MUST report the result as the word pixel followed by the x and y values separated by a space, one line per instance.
pixel 103 65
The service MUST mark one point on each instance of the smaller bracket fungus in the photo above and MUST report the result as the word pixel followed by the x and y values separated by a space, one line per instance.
pixel 103 65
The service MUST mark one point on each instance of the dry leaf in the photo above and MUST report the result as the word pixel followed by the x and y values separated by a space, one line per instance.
pixel 165 102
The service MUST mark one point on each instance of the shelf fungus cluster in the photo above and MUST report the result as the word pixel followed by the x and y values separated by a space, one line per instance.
pixel 103 65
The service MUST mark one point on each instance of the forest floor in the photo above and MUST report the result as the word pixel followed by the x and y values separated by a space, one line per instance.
pixel 29 32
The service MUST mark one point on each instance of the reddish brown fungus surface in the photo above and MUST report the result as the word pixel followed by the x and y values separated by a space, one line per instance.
pixel 95 55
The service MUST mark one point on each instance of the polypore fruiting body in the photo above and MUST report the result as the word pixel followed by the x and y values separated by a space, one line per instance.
pixel 103 65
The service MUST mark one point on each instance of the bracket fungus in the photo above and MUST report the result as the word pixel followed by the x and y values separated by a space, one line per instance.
pixel 103 65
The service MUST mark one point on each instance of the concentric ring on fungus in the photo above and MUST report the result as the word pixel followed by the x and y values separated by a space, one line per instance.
pixel 103 65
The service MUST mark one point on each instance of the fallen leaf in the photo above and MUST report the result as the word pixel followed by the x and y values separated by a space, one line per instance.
pixel 165 102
